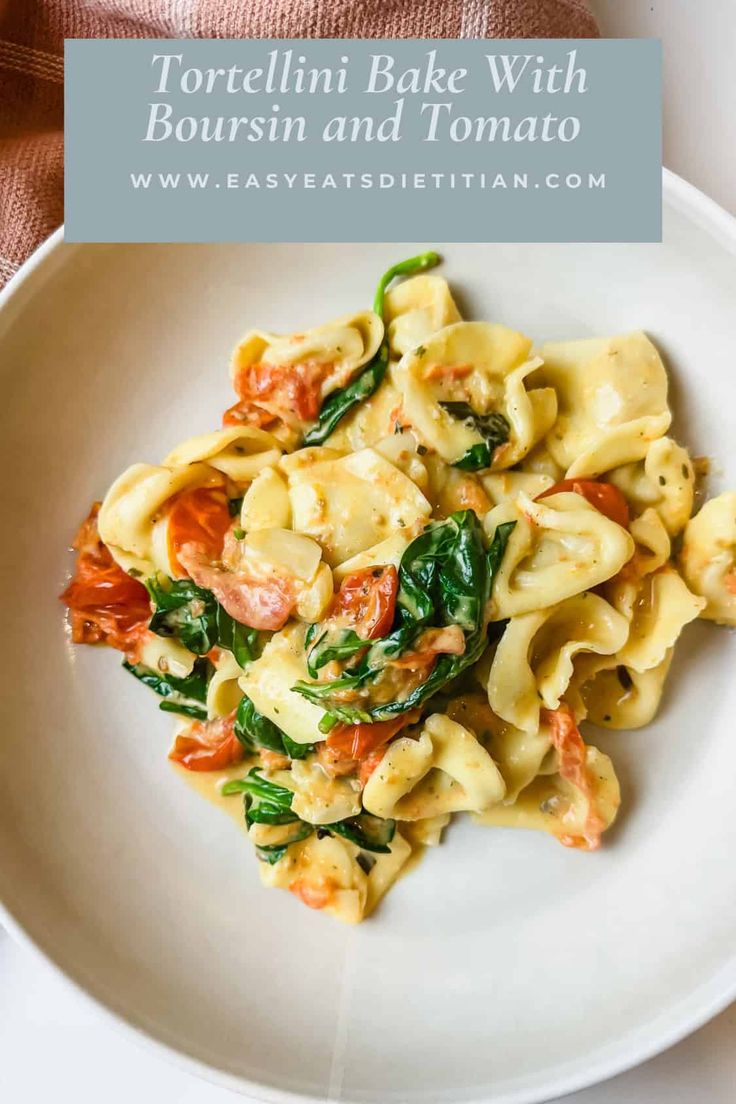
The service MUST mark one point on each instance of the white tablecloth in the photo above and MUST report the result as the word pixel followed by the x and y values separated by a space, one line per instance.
pixel 53 1044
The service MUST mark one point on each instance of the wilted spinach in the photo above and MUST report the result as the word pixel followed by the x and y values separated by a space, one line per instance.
pixel 493 428
pixel 340 402
pixel 445 578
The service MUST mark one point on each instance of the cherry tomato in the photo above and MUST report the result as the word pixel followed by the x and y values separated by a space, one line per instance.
pixel 258 603
pixel 359 740
pixel 208 745
pixel 571 749
pixel 107 605
pixel 199 517
pixel 604 496
pixel 283 389
pixel 367 600
pixel 370 763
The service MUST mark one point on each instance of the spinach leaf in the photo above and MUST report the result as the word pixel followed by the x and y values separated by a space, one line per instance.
pixel 239 639
pixel 498 546
pixel 185 611
pixel 493 427
pixel 371 833
pixel 265 802
pixel 445 578
pixel 195 617
pixel 193 685
pixel 340 402
pixel 254 731
pixel 329 646
pixel 181 695
pixel 170 705
pixel 272 853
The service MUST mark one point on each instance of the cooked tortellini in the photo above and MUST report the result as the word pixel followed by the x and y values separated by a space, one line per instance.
pixel 535 658
pixel 612 396
pixel 558 547
pixel 133 520
pixel 325 357
pixel 466 385
pixel 708 557
pixel 324 873
pixel 664 480
pixel 240 452
pixel 419 557
pixel 561 807
pixel 444 770
pixel 620 697
pixel 349 503
pixel 415 310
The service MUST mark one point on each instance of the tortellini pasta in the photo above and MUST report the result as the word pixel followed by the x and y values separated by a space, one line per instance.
pixel 559 547
pixel 240 452
pixel 268 682
pixel 324 873
pixel 223 690
pixel 664 480
pixel 350 503
pixel 132 521
pixel 444 770
pixel 708 557
pixel 620 697
pixel 419 557
pixel 337 348
pixel 556 805
pixel 612 396
pixel 535 659
pixel 415 310
pixel 461 376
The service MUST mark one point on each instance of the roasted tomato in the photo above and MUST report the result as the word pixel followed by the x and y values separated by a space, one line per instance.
pixel 604 496
pixel 571 750
pixel 359 740
pixel 208 745
pixel 258 603
pixel 270 391
pixel 366 601
pixel 200 516
pixel 106 605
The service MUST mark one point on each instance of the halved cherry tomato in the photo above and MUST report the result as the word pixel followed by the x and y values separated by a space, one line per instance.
pixel 258 603
pixel 107 606
pixel 571 749
pixel 208 745
pixel 359 740
pixel 367 600
pixel 285 389
pixel 370 763
pixel 604 496
pixel 200 516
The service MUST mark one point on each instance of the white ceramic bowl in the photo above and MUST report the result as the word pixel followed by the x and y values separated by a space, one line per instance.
pixel 504 968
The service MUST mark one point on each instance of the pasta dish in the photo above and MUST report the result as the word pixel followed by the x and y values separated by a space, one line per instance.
pixel 419 554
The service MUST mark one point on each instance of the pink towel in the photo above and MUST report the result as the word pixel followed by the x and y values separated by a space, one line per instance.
pixel 32 34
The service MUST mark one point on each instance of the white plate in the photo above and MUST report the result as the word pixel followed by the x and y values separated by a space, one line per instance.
pixel 504 968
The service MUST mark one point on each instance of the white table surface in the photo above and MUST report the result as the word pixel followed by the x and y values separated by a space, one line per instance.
pixel 53 1043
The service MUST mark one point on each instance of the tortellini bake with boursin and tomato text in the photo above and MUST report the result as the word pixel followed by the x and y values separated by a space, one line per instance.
pixel 417 556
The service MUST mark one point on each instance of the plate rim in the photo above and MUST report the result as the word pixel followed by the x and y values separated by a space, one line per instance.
pixel 616 1057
